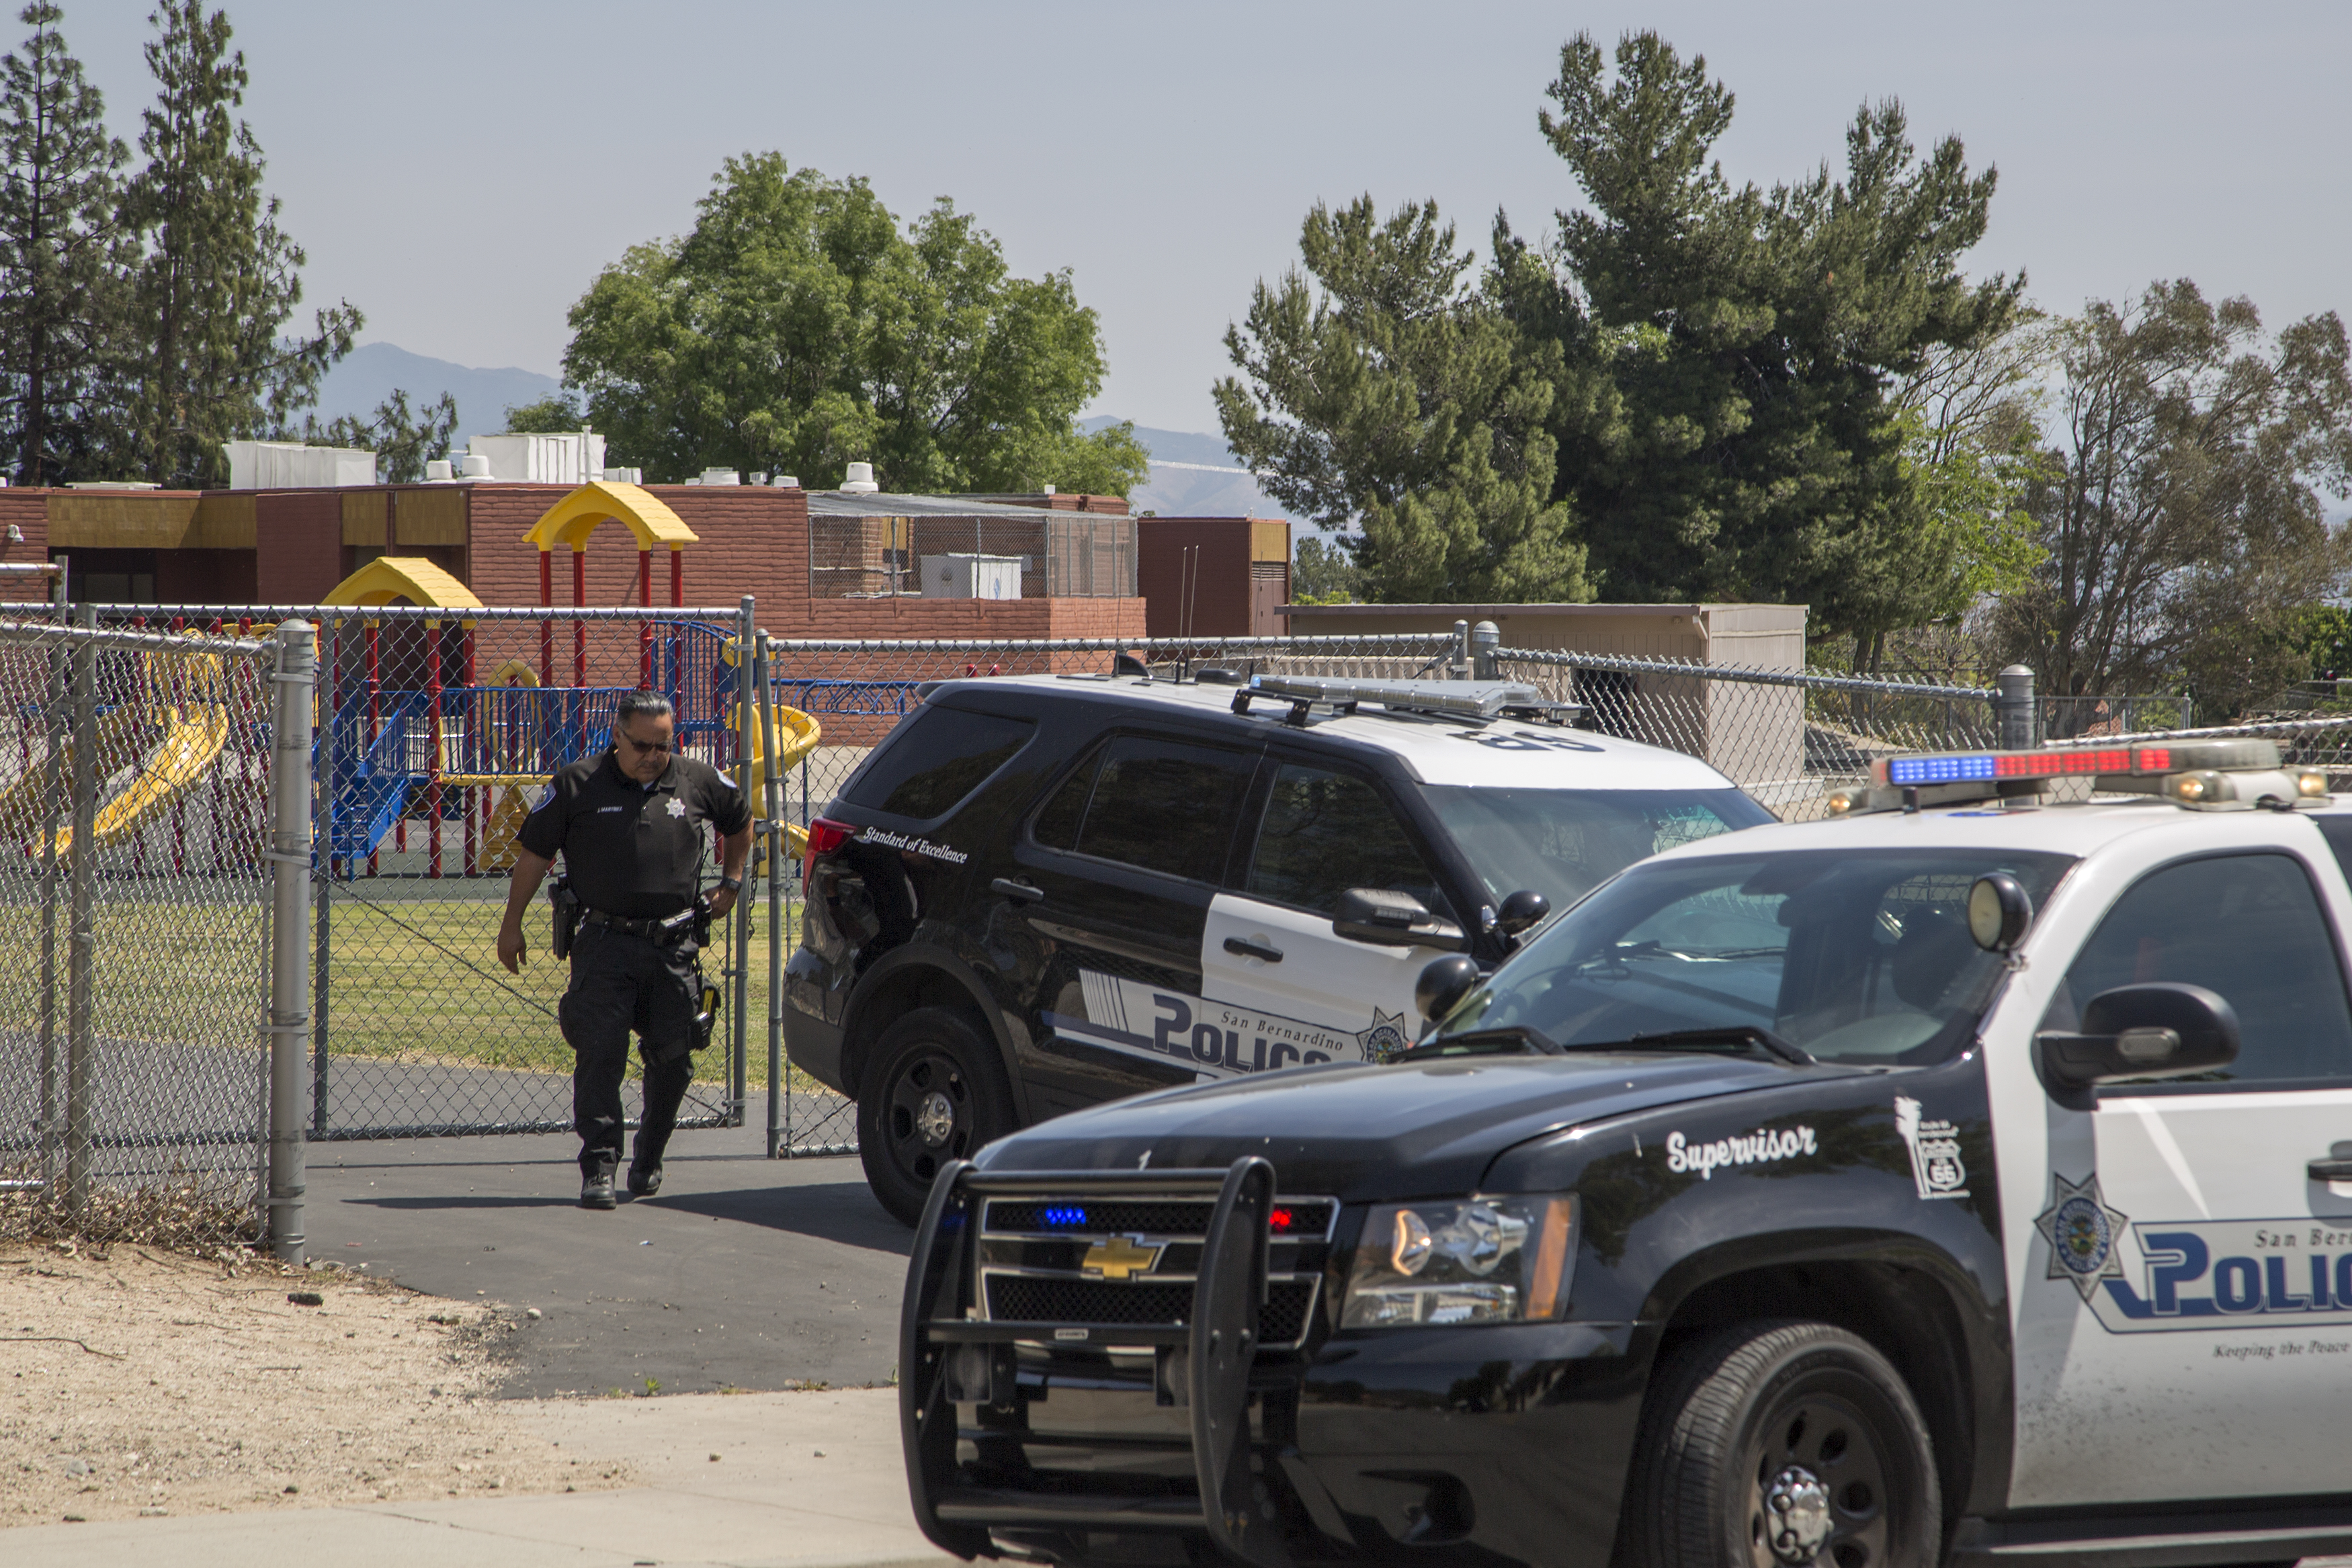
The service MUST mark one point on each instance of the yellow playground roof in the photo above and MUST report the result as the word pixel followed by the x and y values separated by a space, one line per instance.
pixel 571 520
pixel 408 577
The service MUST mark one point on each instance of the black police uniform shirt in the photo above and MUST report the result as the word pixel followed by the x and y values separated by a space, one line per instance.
pixel 631 849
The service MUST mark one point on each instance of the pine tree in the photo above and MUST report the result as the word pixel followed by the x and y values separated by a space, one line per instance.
pixel 64 256
pixel 220 278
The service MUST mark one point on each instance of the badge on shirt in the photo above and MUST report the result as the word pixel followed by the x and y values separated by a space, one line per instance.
pixel 676 807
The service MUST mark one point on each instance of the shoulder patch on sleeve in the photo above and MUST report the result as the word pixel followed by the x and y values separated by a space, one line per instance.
pixel 542 795
pixel 724 777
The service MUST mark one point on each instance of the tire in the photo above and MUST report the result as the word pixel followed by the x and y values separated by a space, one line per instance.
pixel 1782 1415
pixel 936 1093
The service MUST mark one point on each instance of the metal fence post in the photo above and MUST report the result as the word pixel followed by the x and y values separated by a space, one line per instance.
pixel 1484 638
pixel 55 699
pixel 2012 707
pixel 323 877
pixel 772 808
pixel 744 718
pixel 290 962
pixel 81 935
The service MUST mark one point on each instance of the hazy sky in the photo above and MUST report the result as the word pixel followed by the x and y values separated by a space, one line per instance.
pixel 461 171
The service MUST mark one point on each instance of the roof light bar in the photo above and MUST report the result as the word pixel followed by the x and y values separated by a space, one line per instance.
pixel 1477 700
pixel 2074 762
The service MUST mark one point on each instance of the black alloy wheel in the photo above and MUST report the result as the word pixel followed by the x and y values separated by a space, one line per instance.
pixel 1783 1445
pixel 936 1093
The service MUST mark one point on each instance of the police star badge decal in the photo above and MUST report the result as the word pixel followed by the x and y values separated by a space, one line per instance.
pixel 676 807
pixel 2082 1231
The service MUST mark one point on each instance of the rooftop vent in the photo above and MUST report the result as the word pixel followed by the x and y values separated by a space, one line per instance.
pixel 860 480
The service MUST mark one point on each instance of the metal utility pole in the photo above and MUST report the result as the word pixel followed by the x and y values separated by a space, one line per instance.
pixel 289 927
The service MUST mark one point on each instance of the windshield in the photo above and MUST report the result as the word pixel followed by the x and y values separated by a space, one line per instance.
pixel 1860 956
pixel 1563 843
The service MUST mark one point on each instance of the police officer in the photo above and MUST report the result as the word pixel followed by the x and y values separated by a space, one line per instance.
pixel 633 824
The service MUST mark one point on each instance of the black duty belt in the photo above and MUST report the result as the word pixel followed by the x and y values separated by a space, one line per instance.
pixel 667 927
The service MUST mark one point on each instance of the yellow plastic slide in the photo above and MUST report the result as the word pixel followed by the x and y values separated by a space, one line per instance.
pixel 193 735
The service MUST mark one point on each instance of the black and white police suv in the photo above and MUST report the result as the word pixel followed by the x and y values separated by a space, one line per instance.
pixel 1968 1179
pixel 1044 891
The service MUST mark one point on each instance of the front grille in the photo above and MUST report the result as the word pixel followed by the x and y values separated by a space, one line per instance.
pixel 1024 1298
pixel 1311 1217
pixel 1020 1300
pixel 1146 1218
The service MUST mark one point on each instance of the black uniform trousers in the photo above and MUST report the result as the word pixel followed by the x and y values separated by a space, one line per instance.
pixel 621 982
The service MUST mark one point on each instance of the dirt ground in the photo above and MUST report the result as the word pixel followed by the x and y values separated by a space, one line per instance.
pixel 138 1381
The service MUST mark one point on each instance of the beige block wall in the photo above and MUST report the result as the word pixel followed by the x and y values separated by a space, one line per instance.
pixel 1755 734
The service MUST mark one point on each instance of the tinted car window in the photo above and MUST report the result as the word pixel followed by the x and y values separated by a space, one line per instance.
pixel 1164 806
pixel 1325 833
pixel 1862 957
pixel 2247 927
pixel 1563 843
pixel 939 756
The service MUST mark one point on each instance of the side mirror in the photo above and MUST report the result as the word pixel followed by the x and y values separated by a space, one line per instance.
pixel 1999 912
pixel 1388 919
pixel 1442 985
pixel 1522 909
pixel 2135 1033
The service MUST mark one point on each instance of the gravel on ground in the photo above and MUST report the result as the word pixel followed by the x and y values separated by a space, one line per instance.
pixel 136 1381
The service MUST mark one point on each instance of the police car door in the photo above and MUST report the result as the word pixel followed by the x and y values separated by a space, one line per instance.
pixel 1280 984
pixel 1116 873
pixel 2184 1311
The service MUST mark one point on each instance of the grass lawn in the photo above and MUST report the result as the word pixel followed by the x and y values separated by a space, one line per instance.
pixel 413 976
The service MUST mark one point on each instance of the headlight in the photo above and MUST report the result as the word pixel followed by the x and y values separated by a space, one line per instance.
pixel 1475 1260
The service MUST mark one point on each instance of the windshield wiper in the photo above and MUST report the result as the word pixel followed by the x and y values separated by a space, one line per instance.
pixel 1505 1040
pixel 1725 1034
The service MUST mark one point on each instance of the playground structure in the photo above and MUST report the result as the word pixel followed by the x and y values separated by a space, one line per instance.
pixel 419 735
pixel 164 720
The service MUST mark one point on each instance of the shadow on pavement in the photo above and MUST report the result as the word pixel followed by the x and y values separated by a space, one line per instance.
pixel 841 1212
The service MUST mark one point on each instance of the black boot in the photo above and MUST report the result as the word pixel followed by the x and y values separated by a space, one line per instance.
pixel 596 1189
pixel 645 1180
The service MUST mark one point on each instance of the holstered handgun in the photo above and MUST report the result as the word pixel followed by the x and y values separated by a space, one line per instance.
pixel 566 904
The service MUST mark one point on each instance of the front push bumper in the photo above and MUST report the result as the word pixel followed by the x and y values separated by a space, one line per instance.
pixel 1072 1439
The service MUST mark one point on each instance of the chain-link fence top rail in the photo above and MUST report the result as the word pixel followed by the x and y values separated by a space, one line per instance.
pixel 134 783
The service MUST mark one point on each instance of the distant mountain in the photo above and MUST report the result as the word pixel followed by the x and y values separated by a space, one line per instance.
pixel 369 373
pixel 1194 475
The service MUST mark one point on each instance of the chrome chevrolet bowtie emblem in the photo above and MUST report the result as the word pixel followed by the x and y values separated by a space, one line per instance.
pixel 1120 1257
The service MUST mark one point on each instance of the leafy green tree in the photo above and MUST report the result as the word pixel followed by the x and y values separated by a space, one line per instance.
pixel 1390 395
pixel 1725 354
pixel 799 328
pixel 1321 573
pixel 220 279
pixel 557 413
pixel 2181 520
pixel 63 259
pixel 403 440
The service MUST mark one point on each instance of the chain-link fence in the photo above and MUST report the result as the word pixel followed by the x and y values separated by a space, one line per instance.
pixel 1785 736
pixel 437 735
pixel 135 967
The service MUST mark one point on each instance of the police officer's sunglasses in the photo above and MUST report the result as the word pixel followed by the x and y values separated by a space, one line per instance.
pixel 656 747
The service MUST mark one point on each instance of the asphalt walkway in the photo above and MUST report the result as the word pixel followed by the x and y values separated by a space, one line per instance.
pixel 744 1273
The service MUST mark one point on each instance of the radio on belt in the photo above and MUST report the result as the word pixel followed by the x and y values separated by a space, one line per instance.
pixel 2199 774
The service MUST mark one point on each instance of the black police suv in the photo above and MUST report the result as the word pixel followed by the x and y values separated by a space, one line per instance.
pixel 1965 1179
pixel 1042 892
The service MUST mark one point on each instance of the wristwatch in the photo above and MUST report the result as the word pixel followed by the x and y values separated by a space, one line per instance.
pixel 731 884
